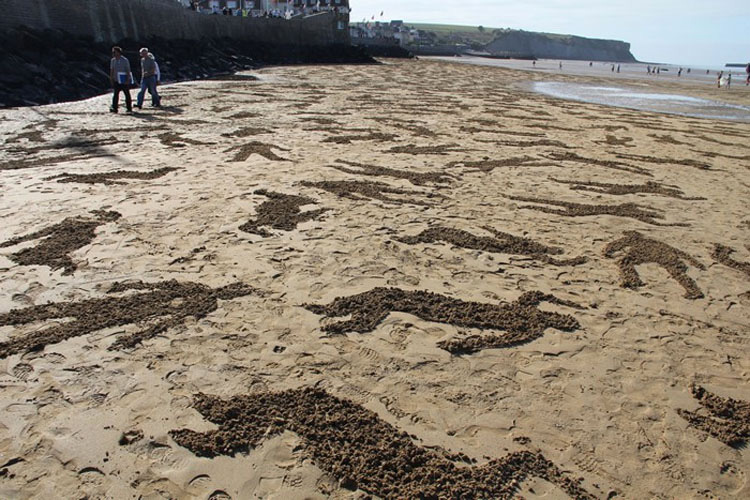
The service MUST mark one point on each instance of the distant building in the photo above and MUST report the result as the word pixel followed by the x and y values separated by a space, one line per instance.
pixel 395 31
pixel 260 6
pixel 341 5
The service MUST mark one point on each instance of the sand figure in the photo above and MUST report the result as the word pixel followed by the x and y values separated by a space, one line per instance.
pixel 175 140
pixel 530 144
pixel 615 165
pixel 91 146
pixel 108 178
pixel 687 162
pixel 27 162
pixel 59 241
pixel 629 210
pixel 722 254
pixel 360 450
pixel 412 149
pixel 642 250
pixel 522 320
pixel 371 136
pixel 501 243
pixel 281 211
pixel 728 419
pixel 165 304
pixel 416 178
pixel 247 132
pixel 362 190
pixel 258 148
pixel 649 187
pixel 488 165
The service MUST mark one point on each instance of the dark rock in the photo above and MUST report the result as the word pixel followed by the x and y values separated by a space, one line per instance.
pixel 64 67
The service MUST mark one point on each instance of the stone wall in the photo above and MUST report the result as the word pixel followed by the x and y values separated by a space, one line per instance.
pixel 114 20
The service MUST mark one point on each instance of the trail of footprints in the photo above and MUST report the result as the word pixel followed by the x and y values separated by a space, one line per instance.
pixel 339 434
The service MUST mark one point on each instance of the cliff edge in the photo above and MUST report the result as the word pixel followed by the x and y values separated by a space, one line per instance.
pixel 525 44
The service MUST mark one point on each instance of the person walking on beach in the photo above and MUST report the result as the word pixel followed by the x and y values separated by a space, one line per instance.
pixel 158 80
pixel 747 70
pixel 121 78
pixel 718 79
pixel 729 80
pixel 148 79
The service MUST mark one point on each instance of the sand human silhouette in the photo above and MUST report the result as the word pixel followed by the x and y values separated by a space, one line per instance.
pixel 639 249
pixel 522 320
pixel 722 253
pixel 570 209
pixel 503 243
pixel 111 178
pixel 728 419
pixel 649 187
pixel 164 304
pixel 60 240
pixel 359 449
pixel 416 178
pixel 280 211
pixel 362 190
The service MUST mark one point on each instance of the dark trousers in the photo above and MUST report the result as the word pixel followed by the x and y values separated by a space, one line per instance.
pixel 116 96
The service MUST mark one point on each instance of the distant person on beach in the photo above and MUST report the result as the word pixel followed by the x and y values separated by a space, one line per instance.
pixel 648 69
pixel 618 68
pixel 560 66
pixel 729 80
pixel 591 63
pixel 148 79
pixel 679 72
pixel 718 79
pixel 533 63
pixel 121 78
pixel 747 70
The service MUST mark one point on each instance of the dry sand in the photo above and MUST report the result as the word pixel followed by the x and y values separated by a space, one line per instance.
pixel 538 291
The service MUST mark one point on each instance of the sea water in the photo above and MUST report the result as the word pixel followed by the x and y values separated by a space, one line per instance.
pixel 644 101
pixel 621 93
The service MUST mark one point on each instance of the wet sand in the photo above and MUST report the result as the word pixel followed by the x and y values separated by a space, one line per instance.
pixel 340 281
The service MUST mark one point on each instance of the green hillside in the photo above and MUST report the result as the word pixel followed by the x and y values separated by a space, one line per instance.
pixel 469 33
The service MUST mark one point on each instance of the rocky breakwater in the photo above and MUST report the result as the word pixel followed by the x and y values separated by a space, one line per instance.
pixel 49 66
pixel 512 43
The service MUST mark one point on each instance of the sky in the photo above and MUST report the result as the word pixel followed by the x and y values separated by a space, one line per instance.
pixel 705 33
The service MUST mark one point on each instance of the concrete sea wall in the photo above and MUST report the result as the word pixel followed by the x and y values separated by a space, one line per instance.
pixel 114 20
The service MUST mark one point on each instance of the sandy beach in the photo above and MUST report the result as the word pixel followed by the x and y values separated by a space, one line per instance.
pixel 375 281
